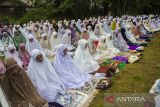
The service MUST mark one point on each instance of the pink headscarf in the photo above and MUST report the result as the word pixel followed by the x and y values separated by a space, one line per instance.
pixel 24 55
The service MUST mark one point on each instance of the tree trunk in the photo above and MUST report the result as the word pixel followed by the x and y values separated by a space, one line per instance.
pixel 110 9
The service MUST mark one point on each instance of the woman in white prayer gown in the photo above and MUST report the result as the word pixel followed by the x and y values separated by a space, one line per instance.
pixel 78 24
pixel 152 24
pixel 92 46
pixel 71 75
pixel 55 40
pixel 51 30
pixel 110 45
pixel 44 77
pixel 66 39
pixel 103 49
pixel 102 32
pixel 61 29
pixel 91 33
pixel 106 27
pixel 129 34
pixel 12 53
pixel 45 42
pixel 6 40
pixel 32 43
pixel 145 24
pixel 41 30
pixel 84 59
pixel 97 30
pixel 46 28
pixel 15 27
pixel 108 42
pixel 131 37
pixel 46 45
pixel 142 29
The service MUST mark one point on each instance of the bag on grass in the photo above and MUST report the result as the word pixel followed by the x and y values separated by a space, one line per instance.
pixel 104 84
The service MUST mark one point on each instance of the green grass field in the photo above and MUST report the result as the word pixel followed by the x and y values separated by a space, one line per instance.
pixel 137 77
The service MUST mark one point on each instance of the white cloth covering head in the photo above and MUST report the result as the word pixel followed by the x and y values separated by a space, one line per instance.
pixel 102 38
pixel 92 46
pixel 103 43
pixel 44 77
pixel 78 24
pixel 91 33
pixel 14 54
pixel 129 34
pixel 66 69
pixel 66 39
pixel 54 34
pixel 84 59
pixel 43 35
pixel 55 40
pixel 106 47
pixel 32 45
pixel 110 45
pixel 68 31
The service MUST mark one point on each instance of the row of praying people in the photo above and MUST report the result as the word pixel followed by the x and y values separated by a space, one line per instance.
pixel 48 83
pixel 106 36
pixel 115 35
pixel 110 36
pixel 56 57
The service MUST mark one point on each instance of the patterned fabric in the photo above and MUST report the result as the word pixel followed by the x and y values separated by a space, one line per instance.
pixel 121 59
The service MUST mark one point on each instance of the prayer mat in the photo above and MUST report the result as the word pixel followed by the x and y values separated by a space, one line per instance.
pixel 121 59
pixel 83 97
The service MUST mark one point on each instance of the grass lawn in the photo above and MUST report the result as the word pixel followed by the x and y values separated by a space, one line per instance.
pixel 137 77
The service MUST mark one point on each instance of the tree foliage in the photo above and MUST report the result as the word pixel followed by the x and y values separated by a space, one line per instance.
pixel 115 7
pixel 86 8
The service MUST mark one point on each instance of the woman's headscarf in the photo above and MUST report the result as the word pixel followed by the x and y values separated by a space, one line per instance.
pixel 51 30
pixel 103 45
pixel 44 77
pixel 113 24
pixel 97 30
pixel 66 69
pixel 78 24
pixel 32 45
pixel 92 44
pixel 46 28
pixel 106 47
pixel 6 40
pixel 118 40
pixel 106 27
pixel 55 40
pixel 46 44
pixel 61 29
pixel 24 55
pixel 18 38
pixel 83 58
pixel 19 88
pixel 129 34
pixel 66 39
pixel 14 55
